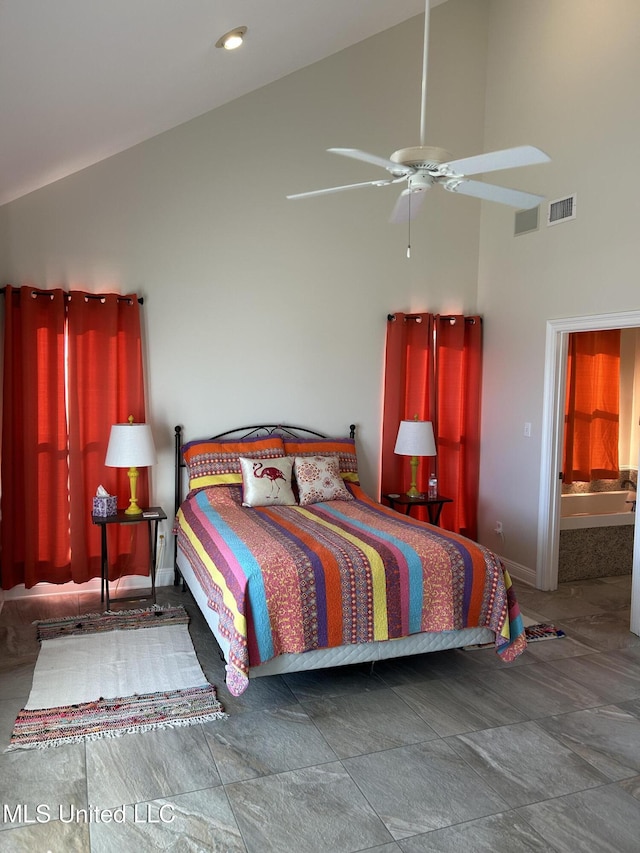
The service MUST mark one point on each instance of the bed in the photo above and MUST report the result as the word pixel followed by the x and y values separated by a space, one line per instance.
pixel 295 568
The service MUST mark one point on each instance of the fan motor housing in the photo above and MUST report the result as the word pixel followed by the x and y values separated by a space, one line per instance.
pixel 421 157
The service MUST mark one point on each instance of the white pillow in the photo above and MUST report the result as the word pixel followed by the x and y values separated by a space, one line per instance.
pixel 318 479
pixel 268 482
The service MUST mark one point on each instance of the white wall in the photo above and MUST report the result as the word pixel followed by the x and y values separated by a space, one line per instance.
pixel 562 74
pixel 258 308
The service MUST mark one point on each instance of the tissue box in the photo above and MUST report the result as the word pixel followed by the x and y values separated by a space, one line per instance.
pixel 104 506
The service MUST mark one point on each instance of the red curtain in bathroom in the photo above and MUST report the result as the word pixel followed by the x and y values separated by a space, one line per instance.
pixel 433 368
pixel 592 406
pixel 72 367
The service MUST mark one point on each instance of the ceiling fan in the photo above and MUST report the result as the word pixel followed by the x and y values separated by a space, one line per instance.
pixel 423 166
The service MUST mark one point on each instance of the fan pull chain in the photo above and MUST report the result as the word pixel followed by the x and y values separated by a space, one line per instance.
pixel 409 230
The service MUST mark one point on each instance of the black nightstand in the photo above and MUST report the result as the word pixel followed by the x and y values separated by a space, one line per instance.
pixel 151 516
pixel 433 505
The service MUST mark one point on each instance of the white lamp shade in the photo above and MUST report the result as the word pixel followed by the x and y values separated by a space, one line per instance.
pixel 415 438
pixel 130 446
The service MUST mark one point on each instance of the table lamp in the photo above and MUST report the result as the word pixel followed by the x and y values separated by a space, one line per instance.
pixel 415 439
pixel 131 446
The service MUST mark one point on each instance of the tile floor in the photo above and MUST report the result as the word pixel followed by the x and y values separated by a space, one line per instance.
pixel 453 751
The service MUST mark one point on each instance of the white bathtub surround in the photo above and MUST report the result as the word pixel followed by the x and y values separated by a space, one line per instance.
pixel 596 509
pixel 596 534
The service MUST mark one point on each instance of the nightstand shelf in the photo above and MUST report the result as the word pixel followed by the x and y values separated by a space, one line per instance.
pixel 151 516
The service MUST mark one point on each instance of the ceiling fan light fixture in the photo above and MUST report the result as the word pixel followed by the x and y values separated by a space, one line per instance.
pixel 233 39
pixel 420 181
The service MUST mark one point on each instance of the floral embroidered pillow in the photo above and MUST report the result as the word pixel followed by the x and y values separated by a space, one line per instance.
pixel 267 482
pixel 318 479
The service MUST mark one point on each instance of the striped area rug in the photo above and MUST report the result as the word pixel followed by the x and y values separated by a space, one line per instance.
pixel 105 675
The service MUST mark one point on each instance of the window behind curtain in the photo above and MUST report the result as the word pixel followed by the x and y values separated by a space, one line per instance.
pixel 458 368
pixel 433 368
pixel 72 367
pixel 592 406
pixel 408 393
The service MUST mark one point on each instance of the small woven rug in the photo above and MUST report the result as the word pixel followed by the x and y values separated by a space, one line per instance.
pixel 540 630
pixel 124 620
pixel 533 632
pixel 98 676
pixel 543 631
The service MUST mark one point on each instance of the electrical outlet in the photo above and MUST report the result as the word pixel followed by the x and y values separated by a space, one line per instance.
pixel 527 430
pixel 498 528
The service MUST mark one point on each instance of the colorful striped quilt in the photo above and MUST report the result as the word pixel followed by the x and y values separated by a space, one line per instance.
pixel 295 578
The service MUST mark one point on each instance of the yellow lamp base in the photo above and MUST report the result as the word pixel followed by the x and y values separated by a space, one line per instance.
pixel 413 489
pixel 133 508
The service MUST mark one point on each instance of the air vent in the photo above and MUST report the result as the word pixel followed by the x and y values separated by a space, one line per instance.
pixel 526 221
pixel 561 210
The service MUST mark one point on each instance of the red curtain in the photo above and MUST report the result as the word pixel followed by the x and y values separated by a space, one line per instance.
pixel 408 391
pixel 35 499
pixel 433 369
pixel 592 406
pixel 72 367
pixel 105 387
pixel 458 368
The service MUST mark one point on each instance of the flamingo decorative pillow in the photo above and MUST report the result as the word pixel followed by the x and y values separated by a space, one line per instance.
pixel 318 479
pixel 267 482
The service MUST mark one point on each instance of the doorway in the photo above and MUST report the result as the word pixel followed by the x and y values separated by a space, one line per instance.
pixel 556 347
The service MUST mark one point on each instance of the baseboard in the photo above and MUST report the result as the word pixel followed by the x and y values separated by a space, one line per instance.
pixel 164 577
pixel 519 572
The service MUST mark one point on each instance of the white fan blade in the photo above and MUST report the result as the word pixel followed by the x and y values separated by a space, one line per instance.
pixel 509 158
pixel 490 192
pixel 340 189
pixel 355 154
pixel 407 206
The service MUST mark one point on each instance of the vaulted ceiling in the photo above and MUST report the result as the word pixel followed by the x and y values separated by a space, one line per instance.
pixel 81 81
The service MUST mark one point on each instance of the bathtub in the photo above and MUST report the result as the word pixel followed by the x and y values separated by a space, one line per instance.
pixel 596 509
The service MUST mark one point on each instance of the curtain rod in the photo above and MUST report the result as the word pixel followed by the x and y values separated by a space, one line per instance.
pixel 86 295
pixel 452 318
pixel 392 317
pixel 418 318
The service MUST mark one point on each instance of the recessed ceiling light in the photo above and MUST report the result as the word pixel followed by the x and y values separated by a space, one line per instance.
pixel 232 39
